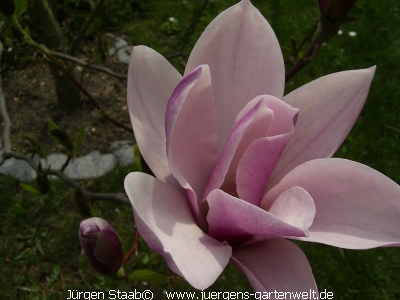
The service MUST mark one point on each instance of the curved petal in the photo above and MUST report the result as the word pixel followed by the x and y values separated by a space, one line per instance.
pixel 245 60
pixel 257 165
pixel 261 155
pixel 276 266
pixel 108 253
pixel 258 127
pixel 151 81
pixel 296 207
pixel 191 132
pixel 236 221
pixel 329 107
pixel 166 223
pixel 356 206
pixel 228 152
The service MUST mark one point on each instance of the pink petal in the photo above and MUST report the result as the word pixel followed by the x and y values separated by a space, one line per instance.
pixel 261 155
pixel 259 126
pixel 166 223
pixel 295 207
pixel 102 224
pixel 356 206
pixel 257 165
pixel 221 169
pixel 245 61
pixel 237 221
pixel 151 81
pixel 191 131
pixel 276 265
pixel 329 107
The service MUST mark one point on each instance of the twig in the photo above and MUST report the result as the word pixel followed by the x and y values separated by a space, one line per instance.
pixel 88 65
pixel 326 29
pixel 134 246
pixel 78 38
pixel 393 128
pixel 17 26
pixel 7 153
pixel 28 159
pixel 190 30
pixel 92 196
pixel 4 114
pixel 93 100
pixel 122 198
pixel 68 181
pixel 65 165
pixel 193 26
pixel 304 60
pixel 294 49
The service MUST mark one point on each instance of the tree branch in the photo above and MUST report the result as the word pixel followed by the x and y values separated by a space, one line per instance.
pixel 88 65
pixel 193 26
pixel 17 26
pixel 78 38
pixel 6 153
pixel 4 114
pixel 326 29
pixel 190 30
pixel 68 181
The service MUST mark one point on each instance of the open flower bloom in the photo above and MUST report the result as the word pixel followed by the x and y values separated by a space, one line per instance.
pixel 240 168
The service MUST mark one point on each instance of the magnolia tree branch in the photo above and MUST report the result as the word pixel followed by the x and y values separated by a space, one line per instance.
pixel 305 59
pixel 6 153
pixel 4 114
pixel 78 38
pixel 120 197
pixel 189 32
pixel 88 65
pixel 326 29
pixel 17 26
pixel 193 26
pixel 295 49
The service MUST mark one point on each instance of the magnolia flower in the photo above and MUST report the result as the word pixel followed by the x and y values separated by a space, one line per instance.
pixel 101 245
pixel 240 168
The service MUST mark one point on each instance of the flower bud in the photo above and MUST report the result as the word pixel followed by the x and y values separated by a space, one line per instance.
pixel 335 9
pixel 101 245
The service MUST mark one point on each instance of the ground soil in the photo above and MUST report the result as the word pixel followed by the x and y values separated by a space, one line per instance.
pixel 31 101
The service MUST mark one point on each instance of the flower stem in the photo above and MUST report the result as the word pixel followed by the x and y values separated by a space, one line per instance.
pixel 134 247
pixel 325 31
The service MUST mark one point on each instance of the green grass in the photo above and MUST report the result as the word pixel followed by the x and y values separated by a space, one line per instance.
pixel 39 245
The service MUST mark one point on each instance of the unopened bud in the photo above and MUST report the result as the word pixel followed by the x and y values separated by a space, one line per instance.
pixel 335 9
pixel 101 245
